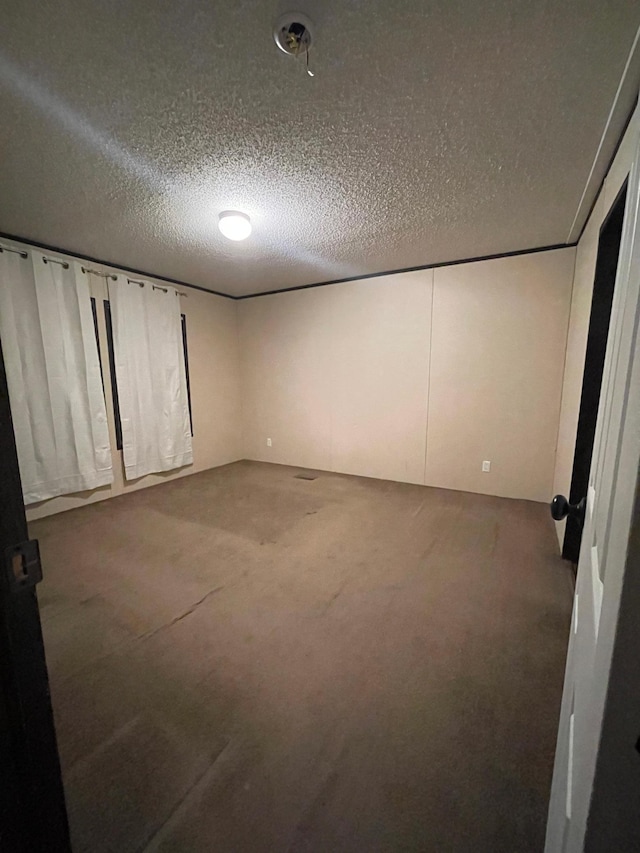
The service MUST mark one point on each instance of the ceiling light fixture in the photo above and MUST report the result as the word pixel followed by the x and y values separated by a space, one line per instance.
pixel 292 34
pixel 234 225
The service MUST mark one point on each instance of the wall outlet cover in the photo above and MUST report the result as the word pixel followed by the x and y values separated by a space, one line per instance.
pixel 486 466
pixel 268 442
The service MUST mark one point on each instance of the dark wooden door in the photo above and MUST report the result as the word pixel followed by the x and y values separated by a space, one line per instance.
pixel 33 817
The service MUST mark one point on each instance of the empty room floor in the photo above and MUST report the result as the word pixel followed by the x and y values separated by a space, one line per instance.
pixel 243 660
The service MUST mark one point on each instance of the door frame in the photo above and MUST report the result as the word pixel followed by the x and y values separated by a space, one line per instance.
pixel 33 815
pixel 601 300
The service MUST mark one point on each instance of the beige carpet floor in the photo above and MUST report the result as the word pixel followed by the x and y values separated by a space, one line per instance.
pixel 242 660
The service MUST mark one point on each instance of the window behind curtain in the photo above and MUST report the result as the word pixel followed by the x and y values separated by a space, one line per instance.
pixel 112 370
pixel 147 336
pixel 53 374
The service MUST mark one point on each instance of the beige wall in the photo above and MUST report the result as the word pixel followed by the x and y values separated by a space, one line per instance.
pixel 587 251
pixel 337 376
pixel 215 396
pixel 416 377
pixel 498 345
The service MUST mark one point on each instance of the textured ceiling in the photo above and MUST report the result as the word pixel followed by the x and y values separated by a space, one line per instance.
pixel 432 131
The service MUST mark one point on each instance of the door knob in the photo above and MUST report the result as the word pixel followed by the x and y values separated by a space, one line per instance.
pixel 561 508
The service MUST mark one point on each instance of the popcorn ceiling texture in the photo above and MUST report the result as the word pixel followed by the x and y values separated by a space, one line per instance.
pixel 432 131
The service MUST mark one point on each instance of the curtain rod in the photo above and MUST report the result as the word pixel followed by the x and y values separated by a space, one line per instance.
pixel 63 264
pixel 14 251
pixel 166 290
pixel 86 270
pixel 157 287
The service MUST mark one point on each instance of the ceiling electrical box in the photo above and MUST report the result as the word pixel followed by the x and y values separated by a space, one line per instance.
pixel 293 33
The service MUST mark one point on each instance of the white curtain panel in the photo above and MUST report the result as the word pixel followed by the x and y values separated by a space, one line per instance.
pixel 53 375
pixel 150 374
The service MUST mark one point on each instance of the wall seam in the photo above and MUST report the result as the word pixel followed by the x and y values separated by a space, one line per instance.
pixel 426 426
pixel 241 430
pixel 332 396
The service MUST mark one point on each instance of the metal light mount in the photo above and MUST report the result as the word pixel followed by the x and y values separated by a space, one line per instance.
pixel 293 33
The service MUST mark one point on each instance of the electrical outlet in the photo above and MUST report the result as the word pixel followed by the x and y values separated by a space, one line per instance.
pixel 268 442
pixel 486 466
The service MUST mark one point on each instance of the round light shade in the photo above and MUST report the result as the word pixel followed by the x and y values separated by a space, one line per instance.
pixel 234 225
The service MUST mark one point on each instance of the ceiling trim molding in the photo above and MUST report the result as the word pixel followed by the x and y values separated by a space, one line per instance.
pixel 114 266
pixel 632 58
pixel 497 257
pixel 111 264
pixel 609 165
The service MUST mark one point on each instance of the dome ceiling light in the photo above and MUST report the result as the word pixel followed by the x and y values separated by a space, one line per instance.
pixel 234 224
